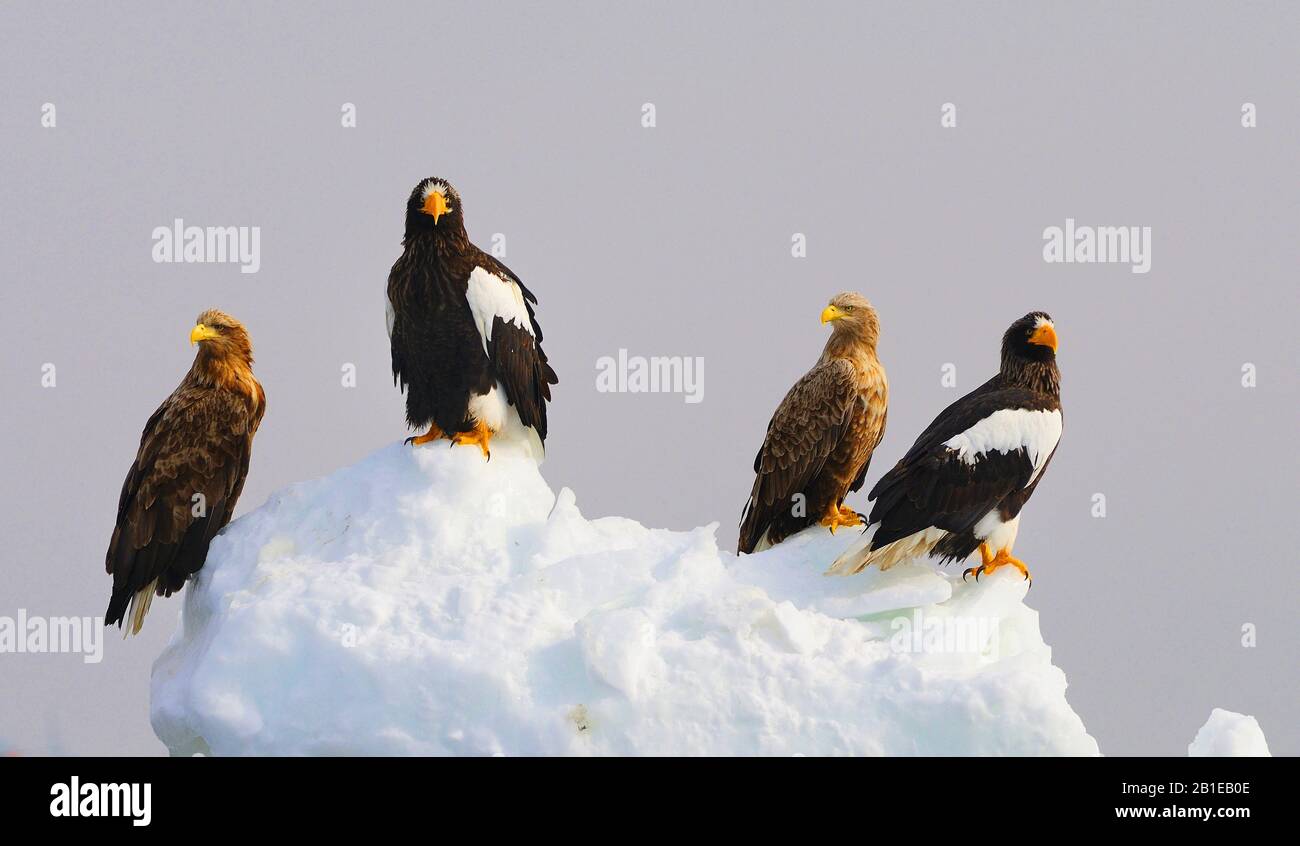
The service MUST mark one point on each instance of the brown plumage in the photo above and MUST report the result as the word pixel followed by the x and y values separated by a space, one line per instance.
pixel 821 438
pixel 188 473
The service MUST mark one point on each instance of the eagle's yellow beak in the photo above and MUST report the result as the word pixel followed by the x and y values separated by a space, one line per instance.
pixel 831 313
pixel 436 205
pixel 201 333
pixel 1044 335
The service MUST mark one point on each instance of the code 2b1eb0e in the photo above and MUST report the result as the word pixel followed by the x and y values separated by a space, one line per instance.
pixel 1176 788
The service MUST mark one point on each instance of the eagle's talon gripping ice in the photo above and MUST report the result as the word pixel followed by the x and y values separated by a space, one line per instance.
pixel 990 562
pixel 433 434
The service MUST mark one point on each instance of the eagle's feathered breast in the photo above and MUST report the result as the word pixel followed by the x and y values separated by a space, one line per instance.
pixel 437 355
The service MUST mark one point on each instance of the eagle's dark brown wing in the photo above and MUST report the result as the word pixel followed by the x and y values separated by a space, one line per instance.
pixel 180 491
pixel 807 426
pixel 932 486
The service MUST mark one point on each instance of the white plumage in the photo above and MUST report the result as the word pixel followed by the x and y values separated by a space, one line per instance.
pixel 435 185
pixel 492 409
pixel 491 296
pixel 997 534
pixel 1036 432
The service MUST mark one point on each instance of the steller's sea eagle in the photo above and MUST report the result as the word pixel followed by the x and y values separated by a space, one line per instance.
pixel 465 342
pixel 188 473
pixel 961 486
pixel 820 440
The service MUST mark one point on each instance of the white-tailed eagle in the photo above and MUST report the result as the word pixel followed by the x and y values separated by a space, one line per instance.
pixel 188 473
pixel 820 440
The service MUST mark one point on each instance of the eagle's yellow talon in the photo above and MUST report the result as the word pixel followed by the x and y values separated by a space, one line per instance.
pixel 480 436
pixel 847 513
pixel 433 434
pixel 841 516
pixel 991 562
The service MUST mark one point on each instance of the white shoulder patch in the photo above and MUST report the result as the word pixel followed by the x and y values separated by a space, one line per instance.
pixel 1036 432
pixel 491 296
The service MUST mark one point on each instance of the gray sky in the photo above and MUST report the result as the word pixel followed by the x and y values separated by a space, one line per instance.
pixel 675 240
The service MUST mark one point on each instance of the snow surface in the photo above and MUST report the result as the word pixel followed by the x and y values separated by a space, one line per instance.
pixel 1228 734
pixel 423 601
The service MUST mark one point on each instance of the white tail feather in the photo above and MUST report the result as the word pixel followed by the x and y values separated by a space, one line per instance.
pixel 139 606
pixel 860 555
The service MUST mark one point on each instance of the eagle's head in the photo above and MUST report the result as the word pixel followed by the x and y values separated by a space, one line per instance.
pixel 434 206
pixel 851 313
pixel 221 336
pixel 1031 338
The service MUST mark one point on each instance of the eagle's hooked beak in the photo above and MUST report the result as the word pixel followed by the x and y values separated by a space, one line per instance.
pixel 1044 335
pixel 831 313
pixel 201 333
pixel 436 205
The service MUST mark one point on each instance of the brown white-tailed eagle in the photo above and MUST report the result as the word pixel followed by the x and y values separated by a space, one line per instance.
pixel 188 473
pixel 820 440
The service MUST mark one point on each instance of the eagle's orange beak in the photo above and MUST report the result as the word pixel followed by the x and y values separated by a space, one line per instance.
pixel 1044 335
pixel 831 313
pixel 435 205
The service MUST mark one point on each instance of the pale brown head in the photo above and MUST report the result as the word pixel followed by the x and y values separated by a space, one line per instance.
pixel 222 337
pixel 852 315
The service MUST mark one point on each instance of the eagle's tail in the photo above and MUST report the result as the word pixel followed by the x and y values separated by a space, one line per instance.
pixel 763 542
pixel 130 608
pixel 534 445
pixel 857 557
pixel 860 555
pixel 140 606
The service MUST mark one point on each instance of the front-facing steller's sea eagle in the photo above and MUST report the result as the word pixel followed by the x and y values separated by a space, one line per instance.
pixel 820 440
pixel 961 486
pixel 465 342
pixel 189 472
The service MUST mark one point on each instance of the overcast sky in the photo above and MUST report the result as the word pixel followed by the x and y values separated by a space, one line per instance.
pixel 675 240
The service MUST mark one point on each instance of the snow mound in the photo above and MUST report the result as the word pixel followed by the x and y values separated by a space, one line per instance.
pixel 1227 734
pixel 426 602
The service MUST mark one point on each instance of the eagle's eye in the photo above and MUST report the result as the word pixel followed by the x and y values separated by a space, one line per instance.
pixel 846 308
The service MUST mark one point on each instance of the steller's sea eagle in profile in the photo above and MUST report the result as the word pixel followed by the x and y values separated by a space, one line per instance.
pixel 961 486
pixel 465 342
pixel 188 473
pixel 820 439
